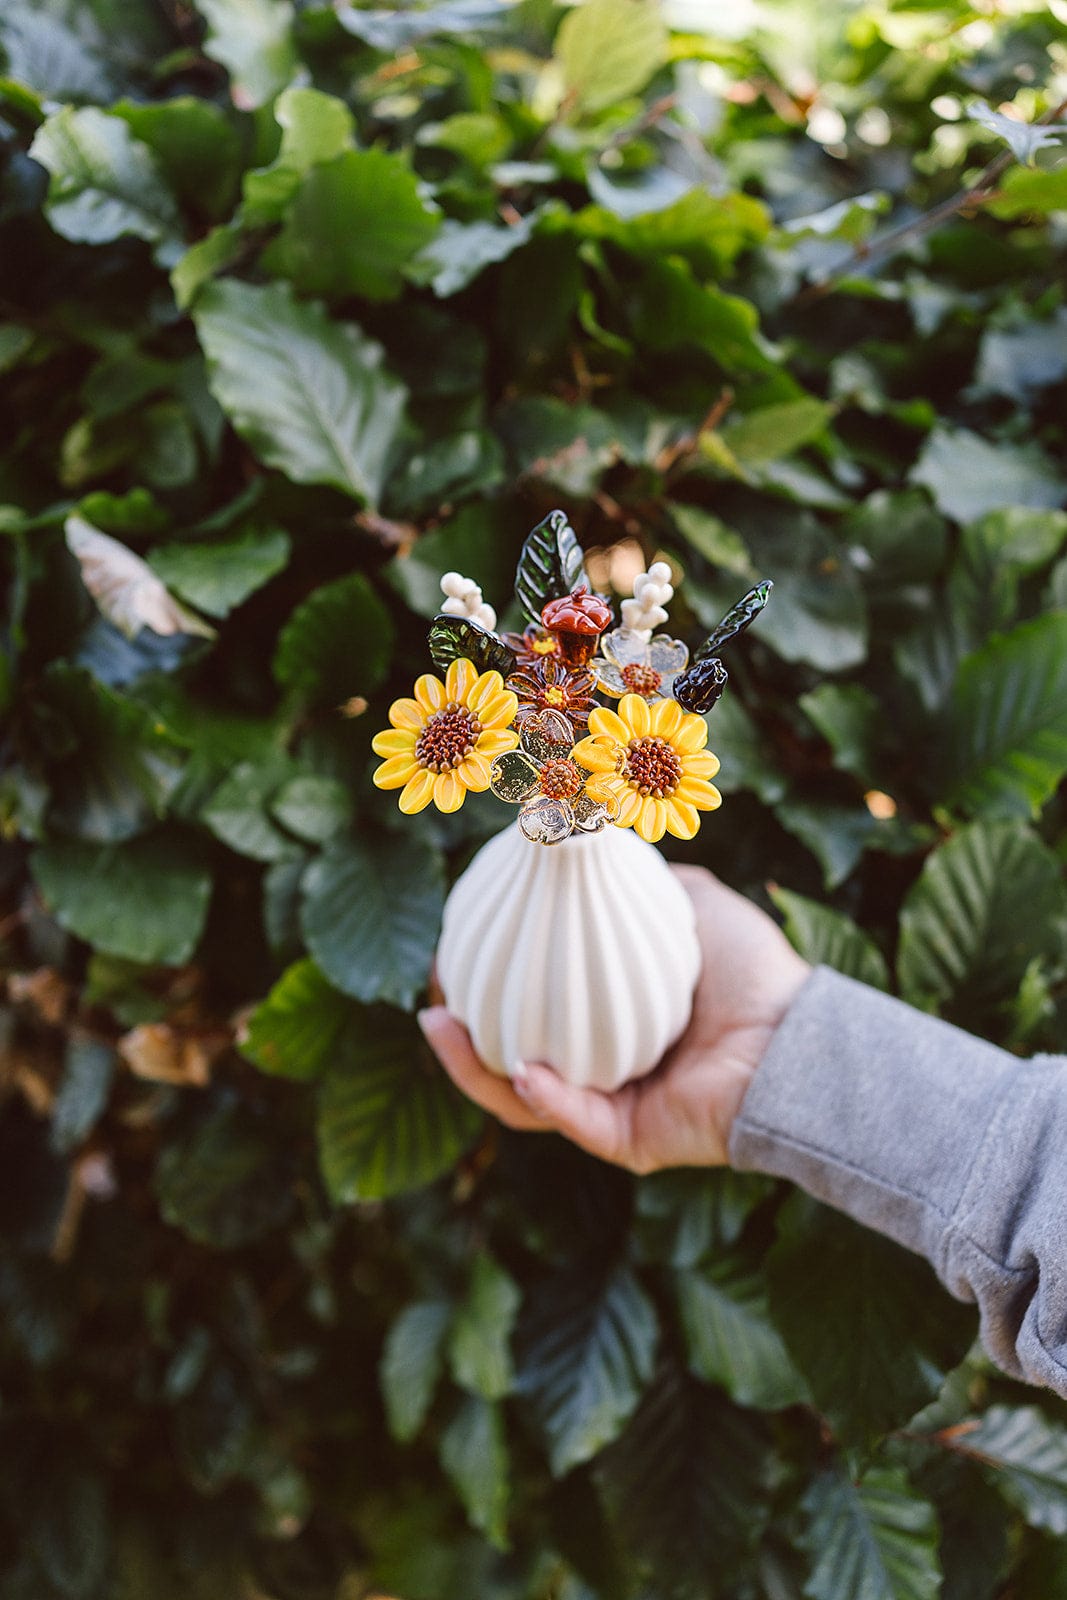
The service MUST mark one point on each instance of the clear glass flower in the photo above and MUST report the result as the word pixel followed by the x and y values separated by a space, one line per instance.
pixel 556 795
pixel 629 664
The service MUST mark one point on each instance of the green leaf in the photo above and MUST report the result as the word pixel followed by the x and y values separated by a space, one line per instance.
pixel 252 39
pixel 104 182
pixel 1008 733
pixel 296 1031
pixel 837 835
pixel 459 252
pixel 313 807
pixel 885 1334
pixel 474 1455
pixel 669 309
pixel 684 1215
pixel 828 938
pixel 713 540
pixel 371 915
pixel 474 542
pixel 216 578
pixel 112 766
pixel 1037 192
pixel 607 50
pixel 968 476
pixel 196 146
pixel 412 1363
pixel 315 127
pixel 225 1181
pixel 871 1540
pixel 550 564
pixel 567 446
pixel 687 1488
pixel 309 395
pixel 731 1340
pixel 850 719
pixel 389 1118
pixel 212 254
pixel 900 534
pixel 69 1531
pixel 238 810
pixel 776 430
pixel 1020 361
pixel 391 30
pixel 480 1344
pixel 88 1070
pixel 588 1352
pixel 987 902
pixel 747 760
pixel 352 226
pixel 146 900
pixel 336 644
pixel 1026 1454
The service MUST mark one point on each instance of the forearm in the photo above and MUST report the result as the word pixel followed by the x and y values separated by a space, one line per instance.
pixel 952 1147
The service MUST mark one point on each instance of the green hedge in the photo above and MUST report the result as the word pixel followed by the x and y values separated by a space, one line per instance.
pixel 300 306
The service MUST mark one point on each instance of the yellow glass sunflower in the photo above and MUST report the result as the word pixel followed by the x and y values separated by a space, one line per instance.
pixel 653 763
pixel 443 741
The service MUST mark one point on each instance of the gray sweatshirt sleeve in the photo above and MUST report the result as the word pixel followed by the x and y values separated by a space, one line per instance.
pixel 952 1147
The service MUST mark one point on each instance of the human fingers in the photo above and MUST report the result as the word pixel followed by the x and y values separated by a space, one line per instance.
pixel 599 1123
pixel 451 1044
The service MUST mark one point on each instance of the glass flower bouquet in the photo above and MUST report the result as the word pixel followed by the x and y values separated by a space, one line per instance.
pixel 540 954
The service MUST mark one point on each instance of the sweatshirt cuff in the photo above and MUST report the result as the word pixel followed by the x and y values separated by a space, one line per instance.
pixel 873 1107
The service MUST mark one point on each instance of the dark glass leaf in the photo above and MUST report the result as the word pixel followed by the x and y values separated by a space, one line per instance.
pixel 550 564
pixel 701 686
pixel 451 637
pixel 736 620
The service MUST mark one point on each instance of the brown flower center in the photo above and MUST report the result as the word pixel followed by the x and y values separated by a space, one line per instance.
pixel 561 780
pixel 544 645
pixel 641 680
pixel 448 737
pixel 653 767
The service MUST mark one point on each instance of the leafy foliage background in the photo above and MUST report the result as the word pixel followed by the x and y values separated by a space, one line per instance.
pixel 304 305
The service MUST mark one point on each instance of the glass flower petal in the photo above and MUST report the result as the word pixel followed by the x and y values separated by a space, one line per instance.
pixel 545 821
pixel 513 777
pixel 667 655
pixel 624 647
pixel 547 736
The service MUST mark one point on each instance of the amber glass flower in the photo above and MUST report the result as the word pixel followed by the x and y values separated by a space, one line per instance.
pixel 533 644
pixel 441 743
pixel 557 795
pixel 651 759
pixel 548 685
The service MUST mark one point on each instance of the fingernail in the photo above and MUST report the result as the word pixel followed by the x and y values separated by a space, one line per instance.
pixel 520 1081
pixel 429 1020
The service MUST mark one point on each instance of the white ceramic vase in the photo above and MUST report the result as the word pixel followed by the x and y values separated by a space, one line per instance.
pixel 583 955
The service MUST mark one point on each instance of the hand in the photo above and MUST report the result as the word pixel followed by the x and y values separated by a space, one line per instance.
pixel 681 1114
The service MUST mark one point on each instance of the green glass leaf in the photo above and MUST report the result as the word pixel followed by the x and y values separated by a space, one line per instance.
pixel 987 903
pixel 1008 732
pixel 412 1363
pixel 371 915
pixel 252 39
pixel 296 1031
pixel 737 619
pixel 876 1538
pixel 903 1333
pixel 607 50
pixel 474 1454
pixel 589 1345
pixel 336 644
pixel 1024 1453
pixel 828 938
pixel 550 564
pixel 479 1347
pixel 351 227
pixel 309 395
pixel 105 183
pixel 451 637
pixel 218 577
pixel 146 900
pixel 389 1118
pixel 731 1340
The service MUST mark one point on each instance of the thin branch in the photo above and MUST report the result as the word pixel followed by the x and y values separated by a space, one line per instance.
pixel 886 245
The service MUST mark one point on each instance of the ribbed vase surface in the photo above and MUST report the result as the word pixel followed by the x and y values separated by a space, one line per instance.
pixel 582 954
